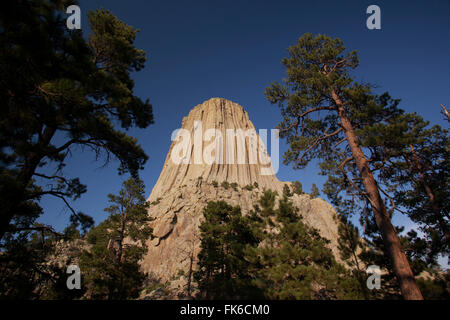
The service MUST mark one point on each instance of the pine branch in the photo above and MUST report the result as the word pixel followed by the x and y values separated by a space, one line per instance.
pixel 40 228
pixel 314 110
pixel 316 142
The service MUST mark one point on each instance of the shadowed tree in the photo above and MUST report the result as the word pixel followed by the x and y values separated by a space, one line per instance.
pixel 33 263
pixel 351 247
pixel 297 187
pixel 319 83
pixel 314 191
pixel 291 260
pixel 287 191
pixel 110 267
pixel 414 162
pixel 189 253
pixel 59 92
pixel 222 271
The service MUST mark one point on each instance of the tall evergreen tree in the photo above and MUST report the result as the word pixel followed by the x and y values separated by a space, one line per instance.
pixel 223 272
pixel 319 82
pixel 58 92
pixel 350 244
pixel 314 191
pixel 110 267
pixel 291 260
pixel 297 187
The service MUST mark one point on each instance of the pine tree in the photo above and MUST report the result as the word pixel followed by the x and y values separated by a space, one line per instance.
pixel 267 203
pixel 287 191
pixel 222 270
pixel 189 254
pixel 352 248
pixel 291 260
pixel 436 289
pixel 314 191
pixel 414 162
pixel 33 264
pixel 349 243
pixel 110 267
pixel 297 187
pixel 78 227
pixel 59 92
pixel 319 82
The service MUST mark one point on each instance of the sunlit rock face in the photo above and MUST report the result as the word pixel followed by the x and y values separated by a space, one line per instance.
pixel 217 142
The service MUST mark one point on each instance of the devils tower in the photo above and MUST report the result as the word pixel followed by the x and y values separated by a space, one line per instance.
pixel 188 183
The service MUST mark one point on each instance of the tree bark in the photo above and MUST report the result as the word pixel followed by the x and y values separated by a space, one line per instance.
pixel 16 194
pixel 122 235
pixel 402 270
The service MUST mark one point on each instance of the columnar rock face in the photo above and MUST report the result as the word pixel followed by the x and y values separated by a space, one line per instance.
pixel 187 183
pixel 231 158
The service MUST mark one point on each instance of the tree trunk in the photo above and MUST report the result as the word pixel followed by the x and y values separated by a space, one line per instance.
pixel 402 270
pixel 16 194
pixel 430 193
pixel 121 238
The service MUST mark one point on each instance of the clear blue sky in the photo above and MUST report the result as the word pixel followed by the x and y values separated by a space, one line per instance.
pixel 233 49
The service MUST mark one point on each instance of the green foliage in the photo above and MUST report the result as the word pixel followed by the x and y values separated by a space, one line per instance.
pixel 417 251
pixel 375 252
pixel 418 175
pixel 412 161
pixel 294 262
pixel 222 270
pixel 307 87
pixel 434 289
pixel 270 253
pixel 70 93
pixel 234 185
pixel 297 187
pixel 157 201
pixel 215 183
pixel 255 184
pixel 316 67
pixel 33 265
pixel 180 273
pixel 287 191
pixel 267 203
pixel 349 242
pixel 329 116
pixel 249 187
pixel 314 191
pixel 351 248
pixel 78 227
pixel 110 267
pixel 152 283
pixel 225 185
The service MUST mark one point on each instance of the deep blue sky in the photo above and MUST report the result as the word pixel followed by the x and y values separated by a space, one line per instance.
pixel 233 49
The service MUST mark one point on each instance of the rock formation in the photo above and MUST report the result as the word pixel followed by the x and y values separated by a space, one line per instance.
pixel 222 115
pixel 183 189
